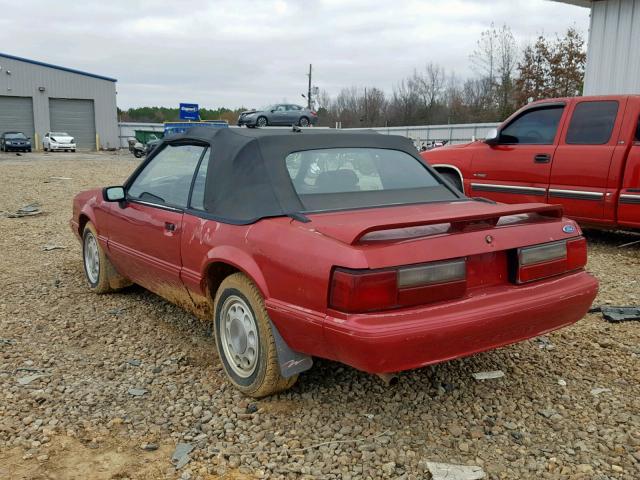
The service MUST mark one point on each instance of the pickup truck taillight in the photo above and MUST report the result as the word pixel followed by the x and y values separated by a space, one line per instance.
pixel 359 291
pixel 549 259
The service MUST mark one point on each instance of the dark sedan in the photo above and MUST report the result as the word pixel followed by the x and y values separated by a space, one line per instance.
pixel 282 114
pixel 14 142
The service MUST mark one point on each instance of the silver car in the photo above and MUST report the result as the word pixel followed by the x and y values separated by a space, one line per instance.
pixel 281 114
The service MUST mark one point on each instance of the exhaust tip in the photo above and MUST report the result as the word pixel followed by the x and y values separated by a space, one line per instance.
pixel 389 379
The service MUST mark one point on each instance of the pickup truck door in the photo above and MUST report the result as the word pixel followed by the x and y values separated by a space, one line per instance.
pixel 629 199
pixel 580 171
pixel 516 168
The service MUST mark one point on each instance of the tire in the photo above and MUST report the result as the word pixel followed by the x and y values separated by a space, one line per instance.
pixel 73 151
pixel 103 277
pixel 453 179
pixel 262 122
pixel 138 154
pixel 303 122
pixel 239 309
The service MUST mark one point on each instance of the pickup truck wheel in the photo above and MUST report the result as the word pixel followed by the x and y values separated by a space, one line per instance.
pixel 100 273
pixel 453 179
pixel 244 339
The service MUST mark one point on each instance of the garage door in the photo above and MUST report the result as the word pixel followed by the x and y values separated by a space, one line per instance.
pixel 75 117
pixel 16 115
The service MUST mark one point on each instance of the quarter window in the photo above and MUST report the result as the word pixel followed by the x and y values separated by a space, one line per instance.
pixel 166 180
pixel 534 127
pixel 592 123
pixel 197 195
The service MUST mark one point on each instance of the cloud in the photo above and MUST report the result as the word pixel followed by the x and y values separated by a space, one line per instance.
pixel 249 53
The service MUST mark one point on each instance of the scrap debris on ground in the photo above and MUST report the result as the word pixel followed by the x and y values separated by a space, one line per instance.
pixel 567 412
pixel 29 210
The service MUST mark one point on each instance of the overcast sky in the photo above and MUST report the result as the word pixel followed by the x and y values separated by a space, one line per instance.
pixel 249 53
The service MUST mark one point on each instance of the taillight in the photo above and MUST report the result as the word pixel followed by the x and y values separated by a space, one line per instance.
pixel 371 290
pixel 549 259
pixel 314 113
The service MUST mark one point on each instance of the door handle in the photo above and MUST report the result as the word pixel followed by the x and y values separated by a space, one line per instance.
pixel 170 227
pixel 542 158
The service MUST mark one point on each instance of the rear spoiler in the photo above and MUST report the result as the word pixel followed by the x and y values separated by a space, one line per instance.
pixel 462 222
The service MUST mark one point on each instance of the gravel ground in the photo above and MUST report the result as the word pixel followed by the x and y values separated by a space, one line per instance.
pixel 83 357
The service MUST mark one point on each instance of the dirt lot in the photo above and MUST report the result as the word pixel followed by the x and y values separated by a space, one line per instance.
pixel 68 360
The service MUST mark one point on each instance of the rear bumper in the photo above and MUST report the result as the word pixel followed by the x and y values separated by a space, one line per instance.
pixel 413 338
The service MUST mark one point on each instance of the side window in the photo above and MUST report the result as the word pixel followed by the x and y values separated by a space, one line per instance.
pixel 592 123
pixel 281 108
pixel 534 127
pixel 166 180
pixel 197 196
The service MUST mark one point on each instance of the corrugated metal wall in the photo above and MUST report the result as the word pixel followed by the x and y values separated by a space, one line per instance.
pixel 23 79
pixel 613 59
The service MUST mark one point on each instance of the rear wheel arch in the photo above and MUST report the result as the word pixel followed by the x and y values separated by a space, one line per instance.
pixel 220 268
pixel 451 172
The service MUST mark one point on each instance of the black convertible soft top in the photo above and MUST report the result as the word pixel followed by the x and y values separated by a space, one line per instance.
pixel 247 177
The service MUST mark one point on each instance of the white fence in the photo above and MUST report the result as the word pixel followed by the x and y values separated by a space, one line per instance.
pixel 421 135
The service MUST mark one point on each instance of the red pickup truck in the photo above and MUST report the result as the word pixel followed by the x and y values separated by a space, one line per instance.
pixel 582 153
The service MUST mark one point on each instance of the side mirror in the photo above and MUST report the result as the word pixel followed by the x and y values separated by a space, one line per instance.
pixel 492 137
pixel 113 194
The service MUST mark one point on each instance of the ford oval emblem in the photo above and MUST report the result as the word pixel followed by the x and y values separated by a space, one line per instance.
pixel 568 229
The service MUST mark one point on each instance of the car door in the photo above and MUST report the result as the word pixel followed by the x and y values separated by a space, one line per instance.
pixel 144 233
pixel 279 115
pixel 516 168
pixel 293 114
pixel 580 171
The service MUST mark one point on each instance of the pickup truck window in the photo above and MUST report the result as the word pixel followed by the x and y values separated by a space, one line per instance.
pixel 534 127
pixel 592 123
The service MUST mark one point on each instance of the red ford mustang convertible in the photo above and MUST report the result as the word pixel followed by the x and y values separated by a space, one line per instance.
pixel 337 245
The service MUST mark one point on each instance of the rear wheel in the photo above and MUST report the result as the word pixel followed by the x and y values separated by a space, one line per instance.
pixel 244 339
pixel 262 122
pixel 304 122
pixel 453 179
pixel 100 273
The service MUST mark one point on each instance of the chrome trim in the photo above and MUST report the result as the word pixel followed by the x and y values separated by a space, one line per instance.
pixel 629 198
pixel 576 194
pixel 490 187
pixel 156 205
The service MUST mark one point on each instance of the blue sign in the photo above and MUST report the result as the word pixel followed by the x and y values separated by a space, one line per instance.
pixel 189 111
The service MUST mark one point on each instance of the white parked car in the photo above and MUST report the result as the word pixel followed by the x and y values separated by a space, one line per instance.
pixel 58 141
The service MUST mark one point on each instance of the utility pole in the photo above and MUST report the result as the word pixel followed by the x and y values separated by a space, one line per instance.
pixel 309 91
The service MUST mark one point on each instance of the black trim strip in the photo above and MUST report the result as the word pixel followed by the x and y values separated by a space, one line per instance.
pixel 576 195
pixel 480 187
pixel 630 199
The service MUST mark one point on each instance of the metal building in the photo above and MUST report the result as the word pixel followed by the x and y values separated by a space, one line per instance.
pixel 37 97
pixel 613 62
